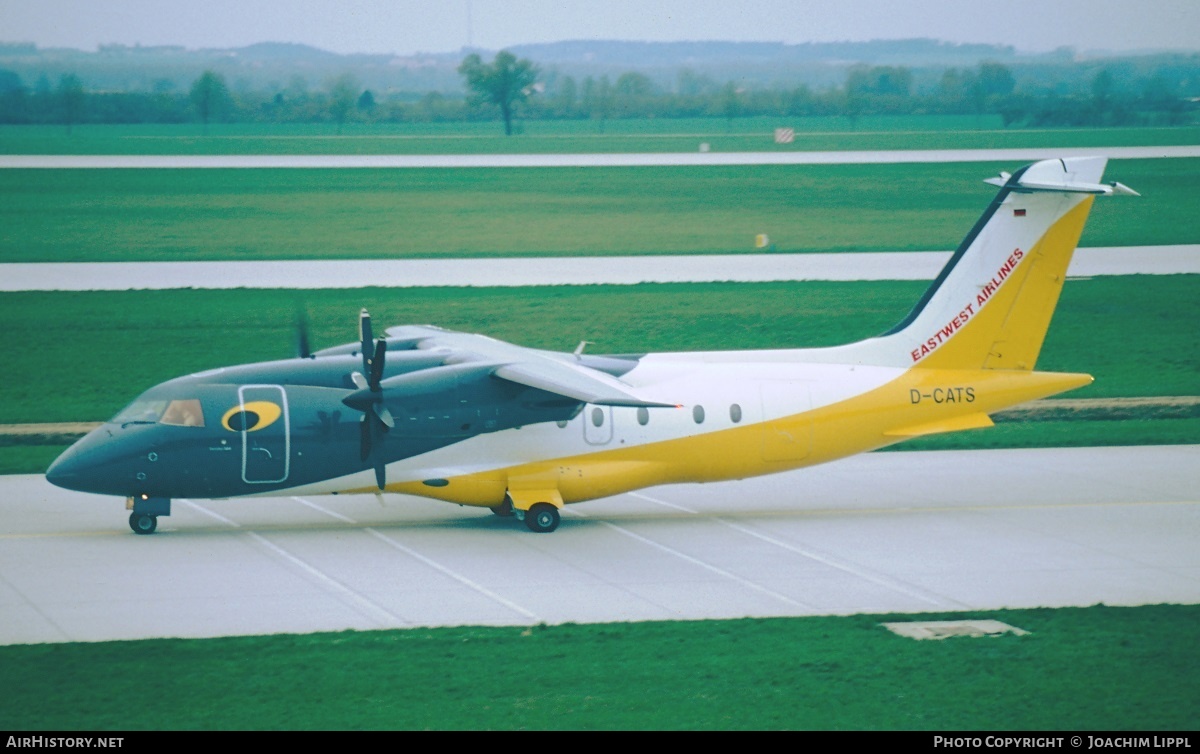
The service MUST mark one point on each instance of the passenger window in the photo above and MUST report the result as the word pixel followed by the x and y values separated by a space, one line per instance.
pixel 643 415
pixel 598 416
pixel 698 414
pixel 184 413
pixel 735 413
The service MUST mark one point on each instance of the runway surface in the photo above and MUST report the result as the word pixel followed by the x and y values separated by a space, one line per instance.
pixel 882 532
pixel 411 273
pixel 697 158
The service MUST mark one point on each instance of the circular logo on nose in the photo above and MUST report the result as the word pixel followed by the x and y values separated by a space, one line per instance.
pixel 251 417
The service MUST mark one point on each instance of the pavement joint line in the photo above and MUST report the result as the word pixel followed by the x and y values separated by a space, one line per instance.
pixel 326 511
pixel 370 609
pixel 452 574
pixel 200 508
pixel 825 560
pixel 939 601
pixel 710 567
pixel 656 501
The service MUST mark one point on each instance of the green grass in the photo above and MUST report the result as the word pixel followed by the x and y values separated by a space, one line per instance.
pixel 1081 669
pixel 1123 330
pixel 1063 434
pixel 28 459
pixel 218 214
pixel 82 356
pixel 557 137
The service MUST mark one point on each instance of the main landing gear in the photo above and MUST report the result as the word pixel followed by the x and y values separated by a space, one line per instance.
pixel 503 510
pixel 541 518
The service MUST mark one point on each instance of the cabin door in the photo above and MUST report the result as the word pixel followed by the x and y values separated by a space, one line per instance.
pixel 266 434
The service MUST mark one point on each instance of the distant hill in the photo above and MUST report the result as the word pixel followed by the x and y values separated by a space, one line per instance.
pixel 656 54
pixel 296 68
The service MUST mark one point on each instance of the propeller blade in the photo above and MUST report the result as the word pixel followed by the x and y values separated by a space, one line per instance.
pixel 378 420
pixel 365 337
pixel 384 415
pixel 364 329
pixel 380 473
pixel 377 364
pixel 377 432
pixel 364 435
pixel 303 348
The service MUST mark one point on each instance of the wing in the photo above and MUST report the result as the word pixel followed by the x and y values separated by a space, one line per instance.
pixel 578 382
pixel 568 375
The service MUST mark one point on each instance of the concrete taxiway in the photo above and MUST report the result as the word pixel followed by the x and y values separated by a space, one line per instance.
pixel 516 272
pixel 699 158
pixel 881 532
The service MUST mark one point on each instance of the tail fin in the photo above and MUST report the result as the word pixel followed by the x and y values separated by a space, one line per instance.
pixel 991 305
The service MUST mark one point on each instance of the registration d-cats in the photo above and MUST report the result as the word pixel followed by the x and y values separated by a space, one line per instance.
pixel 474 421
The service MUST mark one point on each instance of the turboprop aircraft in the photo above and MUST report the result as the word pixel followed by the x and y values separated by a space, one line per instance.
pixel 471 420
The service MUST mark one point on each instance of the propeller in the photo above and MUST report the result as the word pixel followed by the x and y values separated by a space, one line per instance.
pixel 368 399
pixel 303 348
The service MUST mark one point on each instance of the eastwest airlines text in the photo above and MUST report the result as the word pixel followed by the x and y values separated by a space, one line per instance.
pixel 955 324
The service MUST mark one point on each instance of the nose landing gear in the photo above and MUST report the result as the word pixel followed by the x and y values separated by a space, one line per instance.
pixel 143 523
pixel 146 510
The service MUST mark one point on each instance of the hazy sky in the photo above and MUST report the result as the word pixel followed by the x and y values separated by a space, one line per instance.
pixel 408 26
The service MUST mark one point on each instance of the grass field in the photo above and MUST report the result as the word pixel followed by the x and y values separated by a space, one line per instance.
pixel 1083 669
pixel 1123 330
pixel 556 137
pixel 155 215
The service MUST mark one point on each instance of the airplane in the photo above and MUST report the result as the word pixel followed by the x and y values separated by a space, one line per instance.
pixel 467 419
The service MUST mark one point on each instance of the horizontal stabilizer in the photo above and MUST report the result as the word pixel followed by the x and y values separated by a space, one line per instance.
pixel 1062 176
pixel 970 421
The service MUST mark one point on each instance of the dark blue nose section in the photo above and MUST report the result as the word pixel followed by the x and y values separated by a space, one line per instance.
pixel 99 462
pixel 81 468
pixel 66 471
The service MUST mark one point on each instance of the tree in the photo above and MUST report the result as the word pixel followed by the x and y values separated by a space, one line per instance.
pixel 634 91
pixel 366 101
pixel 731 105
pixel 210 96
pixel 505 83
pixel 996 80
pixel 598 99
pixel 564 99
pixel 343 93
pixel 70 95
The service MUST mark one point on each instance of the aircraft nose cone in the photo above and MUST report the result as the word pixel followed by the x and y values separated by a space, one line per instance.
pixel 86 466
pixel 64 471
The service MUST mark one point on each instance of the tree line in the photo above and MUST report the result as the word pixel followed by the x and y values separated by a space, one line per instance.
pixel 511 89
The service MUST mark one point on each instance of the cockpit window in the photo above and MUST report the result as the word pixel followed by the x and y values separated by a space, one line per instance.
pixel 185 413
pixel 179 413
pixel 141 412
